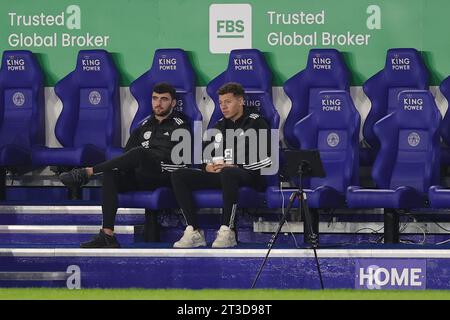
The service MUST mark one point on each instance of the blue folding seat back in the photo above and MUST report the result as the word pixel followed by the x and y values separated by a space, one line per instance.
pixel 404 70
pixel 333 129
pixel 409 154
pixel 249 68
pixel 89 122
pixel 22 114
pixel 439 196
pixel 171 66
pixel 90 94
pixel 407 163
pixel 325 70
pixel 445 124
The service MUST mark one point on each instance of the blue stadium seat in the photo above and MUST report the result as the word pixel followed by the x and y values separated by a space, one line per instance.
pixel 333 129
pixel 249 68
pixel 408 161
pixel 404 70
pixel 439 197
pixel 325 70
pixel 22 111
pixel 445 125
pixel 171 66
pixel 89 122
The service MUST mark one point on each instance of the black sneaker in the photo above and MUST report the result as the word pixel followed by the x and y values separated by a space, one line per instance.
pixel 102 240
pixel 74 177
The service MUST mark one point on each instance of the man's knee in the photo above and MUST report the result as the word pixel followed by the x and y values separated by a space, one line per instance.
pixel 136 152
pixel 110 174
pixel 180 175
pixel 230 172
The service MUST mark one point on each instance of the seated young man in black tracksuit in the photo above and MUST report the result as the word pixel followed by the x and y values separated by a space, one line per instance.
pixel 229 167
pixel 145 165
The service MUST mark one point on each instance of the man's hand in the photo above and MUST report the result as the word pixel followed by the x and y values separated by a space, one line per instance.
pixel 216 168
pixel 210 168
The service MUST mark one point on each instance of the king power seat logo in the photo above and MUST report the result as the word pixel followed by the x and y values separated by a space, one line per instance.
pixel 166 63
pixel 412 104
pixel 331 104
pixel 321 63
pixel 90 64
pixel 230 27
pixel 243 64
pixel 400 63
pixel 15 64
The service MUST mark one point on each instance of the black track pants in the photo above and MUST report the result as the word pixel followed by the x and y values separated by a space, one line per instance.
pixel 139 159
pixel 184 181
pixel 136 170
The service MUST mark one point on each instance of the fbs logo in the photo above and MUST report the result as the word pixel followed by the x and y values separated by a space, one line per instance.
pixel 230 27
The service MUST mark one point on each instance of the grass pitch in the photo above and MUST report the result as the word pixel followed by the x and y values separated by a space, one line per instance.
pixel 258 294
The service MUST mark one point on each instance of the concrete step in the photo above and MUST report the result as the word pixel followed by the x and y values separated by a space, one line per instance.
pixel 351 267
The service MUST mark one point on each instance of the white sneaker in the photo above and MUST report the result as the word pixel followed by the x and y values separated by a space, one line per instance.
pixel 226 238
pixel 191 239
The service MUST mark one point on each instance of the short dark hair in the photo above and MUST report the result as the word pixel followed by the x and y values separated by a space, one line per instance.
pixel 164 87
pixel 231 87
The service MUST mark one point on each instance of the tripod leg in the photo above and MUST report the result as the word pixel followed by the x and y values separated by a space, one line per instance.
pixel 297 215
pixel 391 226
pixel 311 226
pixel 311 231
pixel 292 198
pixel 294 195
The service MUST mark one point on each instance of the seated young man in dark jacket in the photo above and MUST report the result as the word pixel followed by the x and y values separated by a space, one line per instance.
pixel 145 165
pixel 230 167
